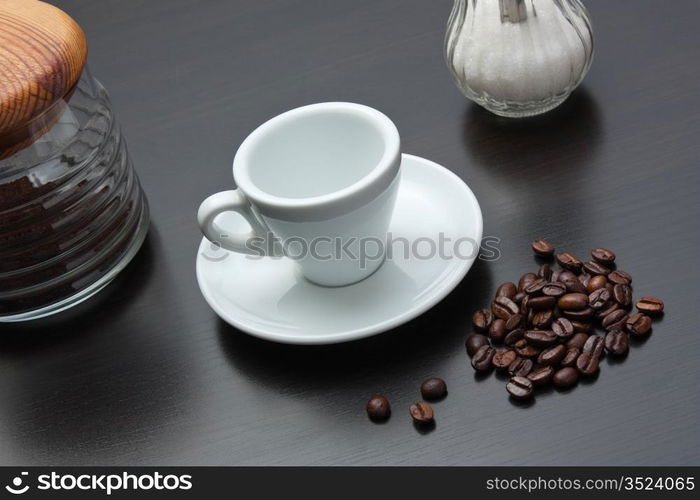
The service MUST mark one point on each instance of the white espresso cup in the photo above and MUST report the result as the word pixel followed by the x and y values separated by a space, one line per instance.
pixel 316 184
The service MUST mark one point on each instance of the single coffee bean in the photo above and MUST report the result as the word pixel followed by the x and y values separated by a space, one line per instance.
pixel 540 338
pixel 515 321
pixel 545 272
pixel 520 367
pixel 573 301
pixel 543 248
pixel 566 377
pixel 519 297
pixel 594 345
pixel 378 407
pixel 596 283
pixel 622 295
pixel 582 315
pixel 577 341
pixel 497 330
pixel 482 319
pixel 520 388
pixel 569 261
pixel 619 277
pixel 475 341
pixel 526 350
pixel 554 289
pixel 525 305
pixel 584 278
pixel 614 317
pixel 565 275
pixel 540 303
pixel 525 280
pixel 614 306
pixel 504 308
pixel 506 289
pixel 587 363
pixel 570 357
pixel 603 255
pixel 638 324
pixel 513 336
pixel 552 355
pixel 535 288
pixel 599 299
pixel 595 268
pixel 541 376
pixel 503 359
pixel 483 358
pixel 573 285
pixel 650 305
pixel 555 275
pixel 617 342
pixel 542 320
pixel 610 287
pixel 563 328
pixel 434 388
pixel 421 412
pixel 581 326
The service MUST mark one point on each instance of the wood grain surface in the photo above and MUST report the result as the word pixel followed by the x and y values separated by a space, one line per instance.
pixel 147 374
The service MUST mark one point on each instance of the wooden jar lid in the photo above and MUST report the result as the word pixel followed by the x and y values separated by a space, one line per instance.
pixel 42 54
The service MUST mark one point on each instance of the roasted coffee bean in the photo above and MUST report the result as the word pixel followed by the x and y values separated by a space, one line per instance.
pixel 582 315
pixel 506 289
pixel 554 289
pixel 540 338
pixel 570 357
pixel 638 324
pixel 421 412
pixel 650 305
pixel 573 301
pixel 556 273
pixel 525 305
pixel 565 275
pixel 596 283
pixel 613 306
pixel 519 297
pixel 614 317
pixel 543 248
pixel 540 303
pixel 577 341
pixel 552 355
pixel 503 359
pixel 569 262
pixel 587 363
pixel 566 377
pixel 542 320
pixel 497 330
pixel 520 367
pixel 514 336
pixel 541 376
pixel 563 328
pixel 594 345
pixel 520 388
pixel 483 358
pixel 595 268
pixel 617 342
pixel 573 285
pixel 619 277
pixel 476 341
pixel 526 350
pixel 623 295
pixel 545 272
pixel 482 319
pixel 434 388
pixel 599 299
pixel 525 280
pixel 581 326
pixel 378 407
pixel 535 288
pixel 515 321
pixel 504 308
pixel 603 255
pixel 584 278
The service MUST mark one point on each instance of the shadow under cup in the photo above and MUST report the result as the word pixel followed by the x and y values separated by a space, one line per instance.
pixel 323 179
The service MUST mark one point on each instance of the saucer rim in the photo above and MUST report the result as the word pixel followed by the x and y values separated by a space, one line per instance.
pixel 369 330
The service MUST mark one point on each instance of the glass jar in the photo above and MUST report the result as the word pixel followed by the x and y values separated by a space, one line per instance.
pixel 518 57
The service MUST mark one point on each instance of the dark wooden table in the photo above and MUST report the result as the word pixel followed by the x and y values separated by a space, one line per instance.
pixel 146 373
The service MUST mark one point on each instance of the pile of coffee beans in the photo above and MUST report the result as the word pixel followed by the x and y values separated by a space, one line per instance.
pixel 541 330
pixel 379 409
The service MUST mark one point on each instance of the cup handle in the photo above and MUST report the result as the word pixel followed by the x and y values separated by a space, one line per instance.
pixel 232 201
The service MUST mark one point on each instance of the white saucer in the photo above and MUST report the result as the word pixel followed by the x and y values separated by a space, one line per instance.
pixel 267 297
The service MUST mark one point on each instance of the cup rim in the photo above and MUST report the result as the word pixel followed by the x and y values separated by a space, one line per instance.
pixel 330 204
